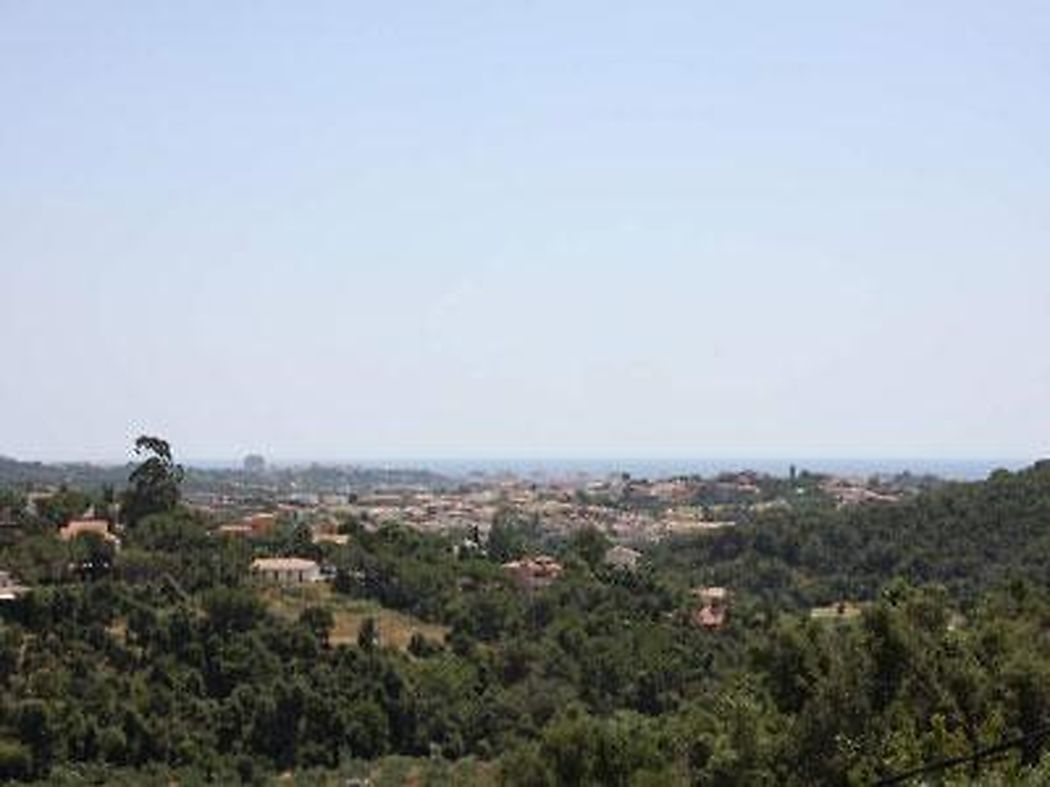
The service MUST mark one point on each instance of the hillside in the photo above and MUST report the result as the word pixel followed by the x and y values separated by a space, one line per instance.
pixel 968 537
pixel 170 660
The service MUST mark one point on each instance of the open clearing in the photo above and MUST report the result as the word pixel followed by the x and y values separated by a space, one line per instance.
pixel 395 628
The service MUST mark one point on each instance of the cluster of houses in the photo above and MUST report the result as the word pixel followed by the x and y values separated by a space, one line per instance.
pixel 632 510
pixel 323 530
pixel 847 492
pixel 529 573
pixel 558 507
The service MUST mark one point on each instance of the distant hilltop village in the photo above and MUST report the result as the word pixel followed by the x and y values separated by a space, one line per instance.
pixel 628 510
pixel 295 522
pixel 281 597
pixel 253 500
pixel 302 511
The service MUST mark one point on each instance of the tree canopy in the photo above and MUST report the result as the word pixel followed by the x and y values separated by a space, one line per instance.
pixel 153 485
pixel 172 661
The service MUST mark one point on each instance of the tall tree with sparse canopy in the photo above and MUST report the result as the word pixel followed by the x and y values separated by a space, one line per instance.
pixel 154 483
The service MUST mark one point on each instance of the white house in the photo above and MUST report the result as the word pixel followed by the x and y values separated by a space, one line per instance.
pixel 286 570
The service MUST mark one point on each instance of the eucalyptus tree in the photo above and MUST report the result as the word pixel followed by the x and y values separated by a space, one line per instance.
pixel 153 486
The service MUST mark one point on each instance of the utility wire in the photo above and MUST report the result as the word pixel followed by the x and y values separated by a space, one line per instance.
pixel 969 759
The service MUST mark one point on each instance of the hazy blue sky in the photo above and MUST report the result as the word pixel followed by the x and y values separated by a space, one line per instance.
pixel 338 229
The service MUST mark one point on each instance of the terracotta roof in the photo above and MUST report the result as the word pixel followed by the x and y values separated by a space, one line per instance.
pixel 100 527
pixel 710 617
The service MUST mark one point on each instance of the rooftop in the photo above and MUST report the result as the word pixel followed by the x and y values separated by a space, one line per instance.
pixel 283 564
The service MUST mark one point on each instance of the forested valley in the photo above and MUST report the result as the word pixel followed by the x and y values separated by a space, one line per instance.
pixel 168 661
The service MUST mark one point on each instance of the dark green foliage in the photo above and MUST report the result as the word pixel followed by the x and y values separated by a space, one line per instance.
pixel 154 483
pixel 590 545
pixel 319 621
pixel 368 635
pixel 170 662
pixel 967 537
pixel 16 761
pixel 63 506
pixel 91 556
pixel 511 536
pixel 232 609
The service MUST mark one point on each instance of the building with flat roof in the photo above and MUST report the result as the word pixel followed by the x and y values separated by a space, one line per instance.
pixel 286 570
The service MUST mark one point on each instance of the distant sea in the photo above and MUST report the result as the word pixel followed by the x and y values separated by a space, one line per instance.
pixel 954 469
pixel 553 469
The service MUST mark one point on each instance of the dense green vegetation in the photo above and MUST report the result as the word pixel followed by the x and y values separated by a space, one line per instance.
pixel 166 659
pixel 968 537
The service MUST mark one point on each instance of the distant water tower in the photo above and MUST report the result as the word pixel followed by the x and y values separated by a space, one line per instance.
pixel 254 464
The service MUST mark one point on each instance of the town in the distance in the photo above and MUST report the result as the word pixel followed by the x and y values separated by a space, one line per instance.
pixel 266 505
pixel 349 625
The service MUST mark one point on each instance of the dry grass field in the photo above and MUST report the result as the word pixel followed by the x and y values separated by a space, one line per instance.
pixel 395 628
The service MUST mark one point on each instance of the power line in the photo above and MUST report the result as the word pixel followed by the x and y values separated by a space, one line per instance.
pixel 969 759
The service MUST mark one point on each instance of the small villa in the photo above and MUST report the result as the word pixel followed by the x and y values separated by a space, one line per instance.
pixel 79 527
pixel 286 570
